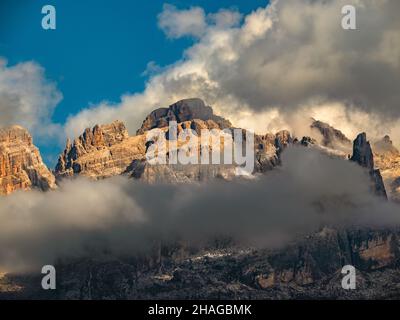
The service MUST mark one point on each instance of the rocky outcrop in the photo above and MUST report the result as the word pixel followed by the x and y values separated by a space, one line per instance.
pixel 282 139
pixel 100 152
pixel 387 159
pixel 308 141
pixel 331 137
pixel 108 150
pixel 385 146
pixel 362 154
pixel 21 165
pixel 181 111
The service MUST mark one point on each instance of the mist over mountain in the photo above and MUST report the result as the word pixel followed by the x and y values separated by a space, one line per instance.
pixel 302 190
pixel 316 108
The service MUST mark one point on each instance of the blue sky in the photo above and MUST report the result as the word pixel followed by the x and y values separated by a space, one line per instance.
pixel 100 47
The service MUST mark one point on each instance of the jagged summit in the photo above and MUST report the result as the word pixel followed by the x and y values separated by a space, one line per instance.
pixel 385 146
pixel 331 137
pixel 15 133
pixel 101 151
pixel 108 150
pixel 362 154
pixel 21 165
pixel 181 111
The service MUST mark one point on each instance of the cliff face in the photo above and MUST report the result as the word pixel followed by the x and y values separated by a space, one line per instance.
pixel 101 152
pixel 362 154
pixel 21 166
pixel 387 159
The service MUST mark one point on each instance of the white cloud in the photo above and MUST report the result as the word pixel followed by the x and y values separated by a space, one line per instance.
pixel 225 18
pixel 177 23
pixel 289 58
pixel 28 99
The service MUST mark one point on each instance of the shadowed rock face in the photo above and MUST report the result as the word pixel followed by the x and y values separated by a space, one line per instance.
pixel 282 140
pixel 307 141
pixel 362 154
pixel 182 111
pixel 331 137
pixel 309 268
pixel 21 166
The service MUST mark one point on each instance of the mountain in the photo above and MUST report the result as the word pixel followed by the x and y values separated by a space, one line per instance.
pixel 21 166
pixel 331 137
pixel 108 150
pixel 181 111
pixel 307 268
pixel 362 154
pixel 387 158
pixel 100 152
pixel 385 146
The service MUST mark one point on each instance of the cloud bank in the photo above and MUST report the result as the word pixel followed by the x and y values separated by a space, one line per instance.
pixel 291 57
pixel 121 216
pixel 269 70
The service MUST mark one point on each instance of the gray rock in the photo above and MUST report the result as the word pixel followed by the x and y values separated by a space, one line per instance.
pixel 362 155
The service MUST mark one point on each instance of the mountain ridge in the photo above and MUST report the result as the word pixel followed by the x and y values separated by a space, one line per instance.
pixel 21 165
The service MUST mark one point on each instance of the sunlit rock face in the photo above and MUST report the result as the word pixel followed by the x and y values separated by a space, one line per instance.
pixel 100 152
pixel 108 150
pixel 21 165
pixel 182 111
pixel 387 159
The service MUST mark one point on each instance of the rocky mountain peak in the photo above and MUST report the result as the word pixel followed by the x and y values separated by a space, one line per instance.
pixel 15 134
pixel 104 135
pixel 331 137
pixel 21 165
pixel 385 146
pixel 362 152
pixel 101 151
pixel 181 111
